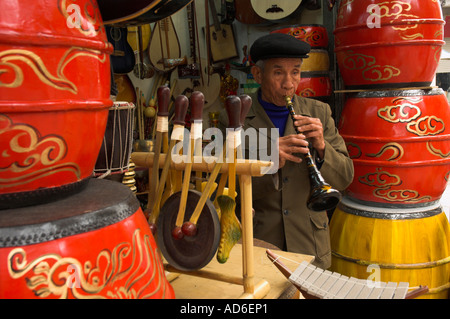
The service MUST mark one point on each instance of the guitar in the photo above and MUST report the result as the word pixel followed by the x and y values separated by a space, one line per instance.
pixel 125 89
pixel 191 70
pixel 133 38
pixel 122 59
pixel 222 43
pixel 141 69
pixel 195 76
pixel 164 45
pixel 275 9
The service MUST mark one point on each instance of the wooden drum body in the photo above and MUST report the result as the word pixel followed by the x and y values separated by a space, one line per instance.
pixel 54 98
pixel 399 144
pixel 94 244
pixel 114 155
pixel 391 44
pixel 398 245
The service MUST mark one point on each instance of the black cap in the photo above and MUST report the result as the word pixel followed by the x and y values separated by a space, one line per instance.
pixel 278 45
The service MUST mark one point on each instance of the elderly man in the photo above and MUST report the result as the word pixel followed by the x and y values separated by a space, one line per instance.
pixel 279 200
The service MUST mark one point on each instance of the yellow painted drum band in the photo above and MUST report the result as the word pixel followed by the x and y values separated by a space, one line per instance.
pixel 399 245
pixel 318 60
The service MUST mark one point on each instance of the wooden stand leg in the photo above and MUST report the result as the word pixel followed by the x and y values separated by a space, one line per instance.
pixel 263 287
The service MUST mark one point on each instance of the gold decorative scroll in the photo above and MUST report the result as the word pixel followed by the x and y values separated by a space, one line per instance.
pixel 125 272
pixel 383 181
pixel 406 111
pixel 427 125
pixel 370 70
pixel 396 148
pixel 11 70
pixel 26 156
pixel 380 179
pixel 437 152
pixel 402 195
pixel 307 92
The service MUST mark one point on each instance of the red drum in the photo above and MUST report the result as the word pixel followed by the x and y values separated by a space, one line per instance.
pixel 54 97
pixel 400 145
pixel 314 34
pixel 114 155
pixel 94 244
pixel 314 85
pixel 374 42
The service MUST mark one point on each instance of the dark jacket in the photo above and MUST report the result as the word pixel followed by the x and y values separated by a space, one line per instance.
pixel 281 215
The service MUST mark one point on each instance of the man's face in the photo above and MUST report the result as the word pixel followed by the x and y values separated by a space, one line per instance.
pixel 280 77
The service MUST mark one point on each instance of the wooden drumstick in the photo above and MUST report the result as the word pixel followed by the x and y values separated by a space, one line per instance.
pixel 181 106
pixel 246 103
pixel 232 104
pixel 161 127
pixel 197 103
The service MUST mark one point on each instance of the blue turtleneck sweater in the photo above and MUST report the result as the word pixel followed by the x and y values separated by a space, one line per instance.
pixel 277 114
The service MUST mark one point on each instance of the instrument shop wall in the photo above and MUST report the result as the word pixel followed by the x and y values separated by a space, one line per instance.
pixel 244 35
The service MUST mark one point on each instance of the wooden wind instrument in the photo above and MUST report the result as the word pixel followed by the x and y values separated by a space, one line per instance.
pixel 322 196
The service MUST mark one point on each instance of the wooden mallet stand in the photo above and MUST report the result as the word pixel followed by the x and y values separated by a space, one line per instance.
pixel 245 169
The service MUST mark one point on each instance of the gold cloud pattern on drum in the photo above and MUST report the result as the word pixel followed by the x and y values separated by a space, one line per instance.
pixel 402 195
pixel 380 179
pixel 357 61
pixel 383 182
pixel 26 156
pixel 380 73
pixel 131 266
pixel 367 64
pixel 399 113
pixel 427 125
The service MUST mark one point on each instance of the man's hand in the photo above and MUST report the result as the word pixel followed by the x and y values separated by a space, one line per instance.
pixel 290 145
pixel 312 129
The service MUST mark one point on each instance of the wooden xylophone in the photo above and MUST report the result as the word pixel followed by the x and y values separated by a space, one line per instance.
pixel 317 283
pixel 325 284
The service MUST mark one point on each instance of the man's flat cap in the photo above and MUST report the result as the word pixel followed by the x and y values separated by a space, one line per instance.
pixel 278 45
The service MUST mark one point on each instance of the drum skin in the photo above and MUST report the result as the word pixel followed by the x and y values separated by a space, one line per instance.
pixel 399 143
pixel 94 244
pixel 314 34
pixel 54 98
pixel 399 245
pixel 400 49
pixel 314 85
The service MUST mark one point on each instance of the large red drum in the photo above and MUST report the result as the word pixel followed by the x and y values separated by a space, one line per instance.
pixel 314 34
pixel 316 85
pixel 54 97
pixel 399 141
pixel 94 244
pixel 388 43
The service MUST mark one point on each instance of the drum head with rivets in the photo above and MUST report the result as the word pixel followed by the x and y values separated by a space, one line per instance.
pixel 189 253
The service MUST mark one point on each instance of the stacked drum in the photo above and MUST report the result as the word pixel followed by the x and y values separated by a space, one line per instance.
pixel 315 78
pixel 391 226
pixel 63 234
